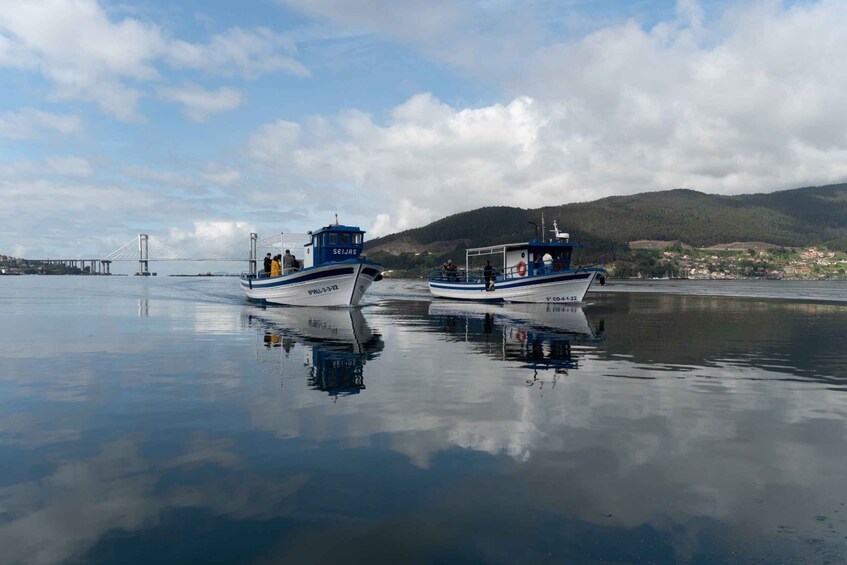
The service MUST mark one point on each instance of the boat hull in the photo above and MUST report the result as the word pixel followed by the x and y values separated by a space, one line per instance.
pixel 556 288
pixel 334 284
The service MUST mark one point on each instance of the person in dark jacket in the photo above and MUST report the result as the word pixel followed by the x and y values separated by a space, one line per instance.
pixel 450 270
pixel 268 265
pixel 488 273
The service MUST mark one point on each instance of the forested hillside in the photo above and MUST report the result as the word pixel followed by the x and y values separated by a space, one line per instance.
pixel 799 217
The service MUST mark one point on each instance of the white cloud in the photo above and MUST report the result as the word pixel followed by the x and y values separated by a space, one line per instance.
pixel 91 57
pixel 77 210
pixel 479 37
pixel 205 234
pixel 99 217
pixel 29 123
pixel 169 179
pixel 381 225
pixel 418 21
pixel 199 104
pixel 69 166
pixel 194 181
pixel 274 139
pixel 85 54
pixel 26 201
pixel 220 175
pixel 429 161
pixel 746 105
pixel 749 101
pixel 239 52
pixel 61 166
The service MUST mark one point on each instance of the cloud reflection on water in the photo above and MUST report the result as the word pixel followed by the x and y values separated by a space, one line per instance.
pixel 730 439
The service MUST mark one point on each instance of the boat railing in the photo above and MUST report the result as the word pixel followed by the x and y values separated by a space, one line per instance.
pixel 457 275
pixel 259 275
pixel 264 275
pixel 475 275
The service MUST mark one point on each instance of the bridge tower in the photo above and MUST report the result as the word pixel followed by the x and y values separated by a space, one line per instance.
pixel 251 262
pixel 143 255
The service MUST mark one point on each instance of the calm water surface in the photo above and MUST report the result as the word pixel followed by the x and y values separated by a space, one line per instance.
pixel 167 420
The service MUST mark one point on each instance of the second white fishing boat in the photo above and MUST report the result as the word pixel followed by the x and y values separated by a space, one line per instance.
pixel 534 271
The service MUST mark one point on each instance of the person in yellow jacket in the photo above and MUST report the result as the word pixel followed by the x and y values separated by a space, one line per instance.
pixel 276 266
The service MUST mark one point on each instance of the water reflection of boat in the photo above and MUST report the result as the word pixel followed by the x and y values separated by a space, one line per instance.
pixel 538 336
pixel 336 343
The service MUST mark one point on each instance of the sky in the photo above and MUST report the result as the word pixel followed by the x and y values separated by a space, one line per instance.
pixel 199 122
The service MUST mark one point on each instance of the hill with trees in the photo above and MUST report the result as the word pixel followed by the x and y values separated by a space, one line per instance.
pixel 791 218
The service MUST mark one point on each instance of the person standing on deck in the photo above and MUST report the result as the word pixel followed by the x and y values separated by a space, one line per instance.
pixel 548 261
pixel 276 267
pixel 268 262
pixel 488 273
pixel 287 262
pixel 450 270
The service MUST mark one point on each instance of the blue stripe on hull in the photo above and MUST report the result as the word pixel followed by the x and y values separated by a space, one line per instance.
pixel 272 283
pixel 504 285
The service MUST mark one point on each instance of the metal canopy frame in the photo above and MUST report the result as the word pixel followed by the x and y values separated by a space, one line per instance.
pixel 504 247
pixel 492 250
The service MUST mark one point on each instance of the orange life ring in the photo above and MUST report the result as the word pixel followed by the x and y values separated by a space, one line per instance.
pixel 520 268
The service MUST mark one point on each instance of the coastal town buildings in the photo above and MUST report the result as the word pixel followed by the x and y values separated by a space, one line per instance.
pixel 735 261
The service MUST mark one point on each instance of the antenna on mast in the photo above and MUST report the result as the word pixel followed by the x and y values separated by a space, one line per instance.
pixel 336 218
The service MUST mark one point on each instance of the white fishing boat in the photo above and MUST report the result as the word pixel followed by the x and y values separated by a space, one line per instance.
pixel 332 272
pixel 534 271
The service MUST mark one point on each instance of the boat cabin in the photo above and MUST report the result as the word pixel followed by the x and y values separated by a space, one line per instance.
pixel 528 258
pixel 333 243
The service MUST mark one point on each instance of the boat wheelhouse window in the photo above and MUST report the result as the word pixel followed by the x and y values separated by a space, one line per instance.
pixel 316 241
pixel 345 238
pixel 331 239
pixel 357 239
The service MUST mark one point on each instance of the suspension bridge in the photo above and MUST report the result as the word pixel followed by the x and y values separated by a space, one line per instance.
pixel 146 249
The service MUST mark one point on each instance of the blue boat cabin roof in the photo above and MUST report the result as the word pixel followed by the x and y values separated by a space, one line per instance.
pixel 533 246
pixel 337 228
